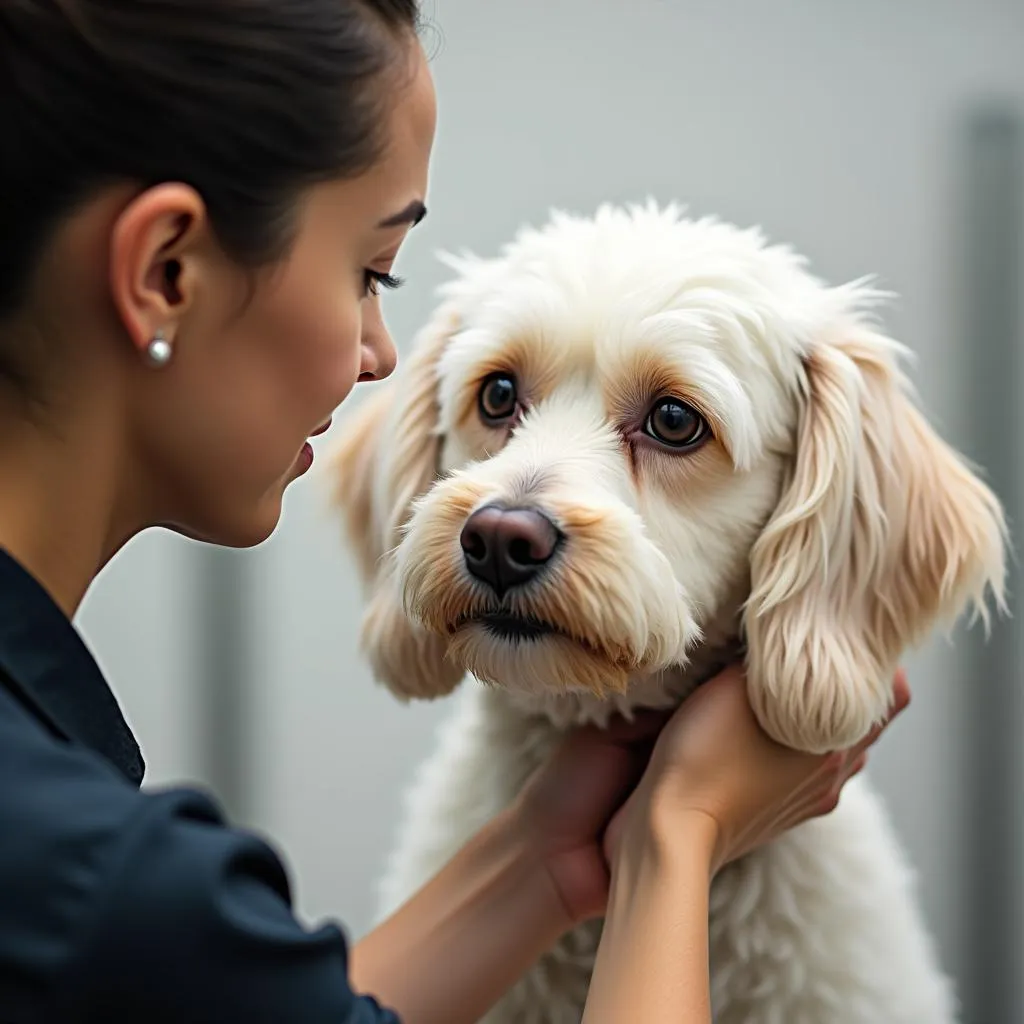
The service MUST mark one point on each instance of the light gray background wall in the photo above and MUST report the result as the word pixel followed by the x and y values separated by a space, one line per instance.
pixel 836 126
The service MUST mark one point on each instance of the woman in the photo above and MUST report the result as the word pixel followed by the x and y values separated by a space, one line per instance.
pixel 199 201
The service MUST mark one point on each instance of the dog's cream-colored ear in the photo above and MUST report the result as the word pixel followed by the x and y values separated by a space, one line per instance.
pixel 353 462
pixel 882 532
pixel 385 458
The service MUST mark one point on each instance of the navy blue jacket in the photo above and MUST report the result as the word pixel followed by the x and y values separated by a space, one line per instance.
pixel 118 905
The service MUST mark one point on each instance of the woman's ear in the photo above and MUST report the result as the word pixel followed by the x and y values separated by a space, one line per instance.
pixel 156 249
pixel 387 457
pixel 882 531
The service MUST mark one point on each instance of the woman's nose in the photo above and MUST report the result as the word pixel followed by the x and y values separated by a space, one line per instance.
pixel 379 357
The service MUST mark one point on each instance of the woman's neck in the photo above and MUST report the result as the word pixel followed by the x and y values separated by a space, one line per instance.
pixel 58 501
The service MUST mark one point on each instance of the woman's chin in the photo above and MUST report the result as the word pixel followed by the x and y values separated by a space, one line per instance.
pixel 243 531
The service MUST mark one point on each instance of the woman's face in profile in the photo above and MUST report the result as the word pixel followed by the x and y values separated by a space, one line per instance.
pixel 262 362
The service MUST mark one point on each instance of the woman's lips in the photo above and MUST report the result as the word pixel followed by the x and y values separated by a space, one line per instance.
pixel 304 459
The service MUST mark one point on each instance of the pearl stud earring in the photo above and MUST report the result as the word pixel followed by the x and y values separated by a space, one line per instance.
pixel 158 351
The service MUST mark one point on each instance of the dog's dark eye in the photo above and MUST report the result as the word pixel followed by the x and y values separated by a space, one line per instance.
pixel 676 424
pixel 498 398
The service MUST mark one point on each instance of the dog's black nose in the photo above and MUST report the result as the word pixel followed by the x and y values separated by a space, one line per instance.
pixel 504 547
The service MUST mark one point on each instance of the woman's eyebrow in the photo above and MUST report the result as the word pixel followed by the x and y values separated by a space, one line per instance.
pixel 412 214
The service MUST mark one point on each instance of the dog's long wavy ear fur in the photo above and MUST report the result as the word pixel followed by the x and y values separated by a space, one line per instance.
pixel 387 457
pixel 882 532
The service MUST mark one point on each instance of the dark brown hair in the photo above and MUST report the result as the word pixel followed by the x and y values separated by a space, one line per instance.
pixel 248 101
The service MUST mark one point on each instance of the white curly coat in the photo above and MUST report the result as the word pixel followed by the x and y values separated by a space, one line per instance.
pixel 818 524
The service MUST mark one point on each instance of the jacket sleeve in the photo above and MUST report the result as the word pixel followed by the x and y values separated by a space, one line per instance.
pixel 192 922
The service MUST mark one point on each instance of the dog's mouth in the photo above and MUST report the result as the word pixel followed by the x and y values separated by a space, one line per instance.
pixel 506 625
pixel 516 629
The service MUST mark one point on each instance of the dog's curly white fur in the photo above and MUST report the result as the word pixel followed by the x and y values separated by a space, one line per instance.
pixel 815 518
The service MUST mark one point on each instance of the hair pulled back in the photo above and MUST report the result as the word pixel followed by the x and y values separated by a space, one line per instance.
pixel 247 101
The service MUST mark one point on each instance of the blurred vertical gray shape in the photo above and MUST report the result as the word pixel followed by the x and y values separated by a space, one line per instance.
pixel 993 272
pixel 225 704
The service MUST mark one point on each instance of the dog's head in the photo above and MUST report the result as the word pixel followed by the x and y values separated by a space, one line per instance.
pixel 632 430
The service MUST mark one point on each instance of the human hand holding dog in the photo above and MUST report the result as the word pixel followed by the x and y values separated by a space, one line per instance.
pixel 713 760
pixel 715 788
pixel 711 766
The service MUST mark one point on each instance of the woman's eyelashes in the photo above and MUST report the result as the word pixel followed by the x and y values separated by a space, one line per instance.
pixel 374 280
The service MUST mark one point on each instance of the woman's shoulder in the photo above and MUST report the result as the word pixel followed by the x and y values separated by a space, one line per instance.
pixel 72 823
pixel 137 904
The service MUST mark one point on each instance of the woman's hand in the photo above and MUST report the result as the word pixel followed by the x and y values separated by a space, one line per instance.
pixel 716 787
pixel 713 761
pixel 567 804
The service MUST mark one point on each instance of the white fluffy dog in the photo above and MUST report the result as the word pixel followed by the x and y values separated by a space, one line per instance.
pixel 626 449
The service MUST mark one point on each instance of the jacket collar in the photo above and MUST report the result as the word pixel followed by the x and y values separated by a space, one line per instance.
pixel 46 664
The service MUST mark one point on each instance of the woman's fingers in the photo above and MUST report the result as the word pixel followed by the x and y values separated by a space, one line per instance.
pixel 856 758
pixel 901 700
